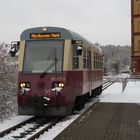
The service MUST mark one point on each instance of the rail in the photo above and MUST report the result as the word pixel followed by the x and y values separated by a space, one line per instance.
pixel 53 123
pixel 109 83
pixel 38 125
pixel 7 131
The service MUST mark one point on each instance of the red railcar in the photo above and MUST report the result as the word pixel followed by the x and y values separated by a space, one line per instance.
pixel 58 70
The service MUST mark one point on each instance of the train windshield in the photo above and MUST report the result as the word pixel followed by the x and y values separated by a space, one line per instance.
pixel 43 56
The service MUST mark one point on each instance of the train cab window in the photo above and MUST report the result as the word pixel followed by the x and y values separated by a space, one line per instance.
pixel 43 56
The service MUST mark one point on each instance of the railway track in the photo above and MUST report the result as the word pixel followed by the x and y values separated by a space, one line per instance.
pixel 106 85
pixel 30 129
pixel 34 127
pixel 13 128
pixel 109 82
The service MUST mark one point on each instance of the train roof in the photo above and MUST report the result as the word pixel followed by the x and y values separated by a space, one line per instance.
pixel 65 34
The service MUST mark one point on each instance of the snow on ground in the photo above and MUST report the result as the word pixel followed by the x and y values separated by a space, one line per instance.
pixel 114 93
pixel 13 121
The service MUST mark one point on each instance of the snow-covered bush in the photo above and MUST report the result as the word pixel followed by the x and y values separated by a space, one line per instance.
pixel 8 84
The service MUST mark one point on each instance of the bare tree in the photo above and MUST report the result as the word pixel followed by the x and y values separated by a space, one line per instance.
pixel 116 58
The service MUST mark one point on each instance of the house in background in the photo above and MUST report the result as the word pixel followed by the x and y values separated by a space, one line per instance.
pixel 135 39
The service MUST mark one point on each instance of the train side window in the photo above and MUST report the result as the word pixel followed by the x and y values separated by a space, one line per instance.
pixel 89 59
pixel 75 57
pixel 94 60
pixel 138 8
pixel 102 62
pixel 75 62
pixel 138 45
pixel 97 59
pixel 84 57
pixel 79 50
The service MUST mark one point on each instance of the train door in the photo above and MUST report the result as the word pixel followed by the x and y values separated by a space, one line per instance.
pixel 89 70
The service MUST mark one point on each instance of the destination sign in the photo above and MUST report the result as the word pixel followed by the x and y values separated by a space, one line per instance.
pixel 44 35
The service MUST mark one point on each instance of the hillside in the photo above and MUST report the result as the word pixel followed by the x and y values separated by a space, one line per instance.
pixel 116 58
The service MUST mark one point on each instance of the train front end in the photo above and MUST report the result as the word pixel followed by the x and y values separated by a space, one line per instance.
pixel 42 80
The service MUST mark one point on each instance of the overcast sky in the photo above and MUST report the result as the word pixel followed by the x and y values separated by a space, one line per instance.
pixel 102 21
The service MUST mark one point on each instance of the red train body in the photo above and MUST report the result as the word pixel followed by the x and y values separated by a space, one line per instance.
pixel 58 70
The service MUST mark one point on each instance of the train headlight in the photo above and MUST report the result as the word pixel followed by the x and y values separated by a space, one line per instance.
pixel 61 85
pixel 22 85
pixel 25 85
pixel 44 29
pixel 58 84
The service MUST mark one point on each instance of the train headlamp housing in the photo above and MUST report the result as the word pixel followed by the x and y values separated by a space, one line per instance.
pixel 57 84
pixel 25 85
pixel 61 85
pixel 22 85
pixel 44 29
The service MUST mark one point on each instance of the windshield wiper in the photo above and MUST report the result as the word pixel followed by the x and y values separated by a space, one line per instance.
pixel 49 68
pixel 51 65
